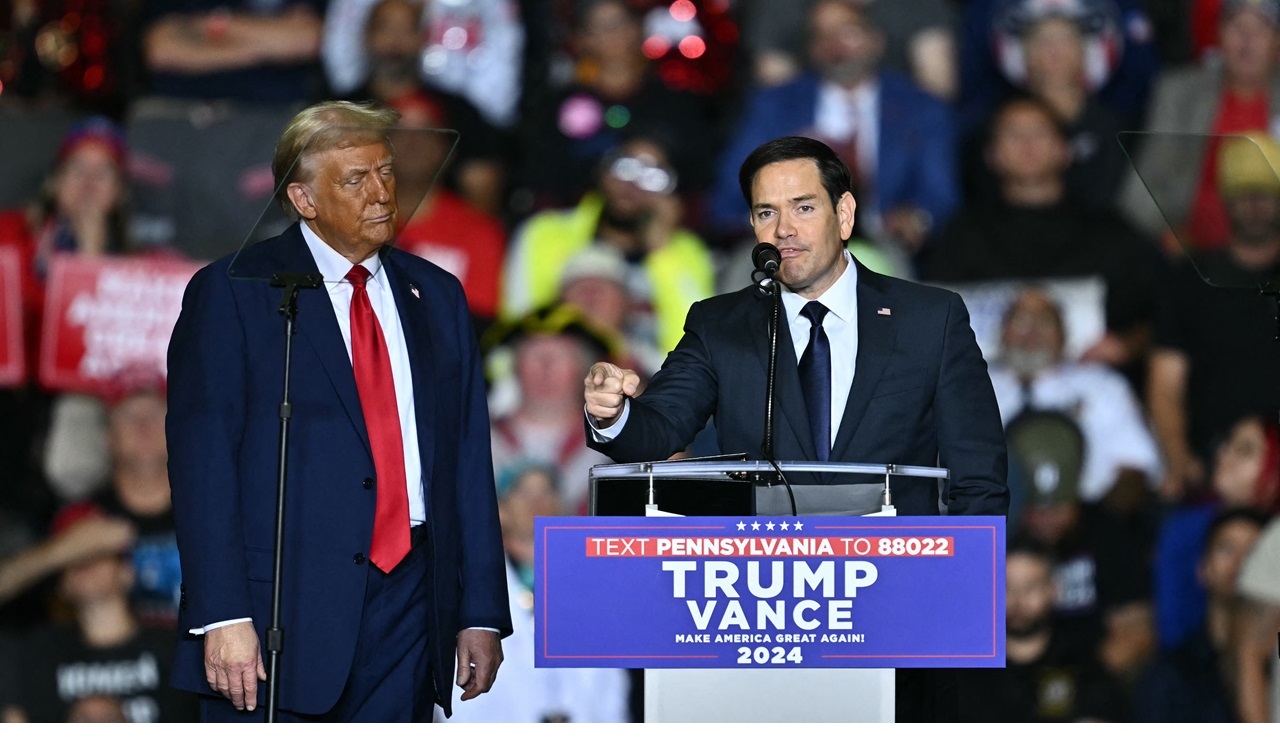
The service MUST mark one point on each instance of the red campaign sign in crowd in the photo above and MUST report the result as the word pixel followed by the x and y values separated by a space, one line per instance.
pixel 102 315
pixel 13 361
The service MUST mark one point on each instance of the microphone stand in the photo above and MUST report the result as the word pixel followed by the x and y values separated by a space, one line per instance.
pixel 291 282
pixel 769 285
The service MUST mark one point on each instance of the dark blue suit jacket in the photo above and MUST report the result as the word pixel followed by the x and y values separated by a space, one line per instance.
pixel 915 161
pixel 226 366
pixel 921 395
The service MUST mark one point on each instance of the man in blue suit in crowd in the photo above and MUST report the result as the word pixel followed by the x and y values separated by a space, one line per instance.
pixel 393 563
pixel 869 369
pixel 898 140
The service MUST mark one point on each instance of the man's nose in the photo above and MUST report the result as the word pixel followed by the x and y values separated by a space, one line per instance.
pixel 379 191
pixel 783 226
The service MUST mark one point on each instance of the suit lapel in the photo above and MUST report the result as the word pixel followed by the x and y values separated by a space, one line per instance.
pixel 318 328
pixel 789 411
pixel 410 305
pixel 876 336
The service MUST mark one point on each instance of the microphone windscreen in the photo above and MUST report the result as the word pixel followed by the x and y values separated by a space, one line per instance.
pixel 766 257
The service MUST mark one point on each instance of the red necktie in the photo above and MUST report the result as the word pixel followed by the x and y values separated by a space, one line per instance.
pixel 377 391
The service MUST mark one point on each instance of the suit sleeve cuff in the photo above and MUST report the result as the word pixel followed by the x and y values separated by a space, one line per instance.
pixel 605 435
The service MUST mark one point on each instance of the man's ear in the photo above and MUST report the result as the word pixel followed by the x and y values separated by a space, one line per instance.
pixel 846 207
pixel 300 196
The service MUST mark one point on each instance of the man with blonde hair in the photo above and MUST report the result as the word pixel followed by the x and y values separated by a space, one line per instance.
pixel 393 563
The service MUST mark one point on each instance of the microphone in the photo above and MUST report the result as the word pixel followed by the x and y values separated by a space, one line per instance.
pixel 766 258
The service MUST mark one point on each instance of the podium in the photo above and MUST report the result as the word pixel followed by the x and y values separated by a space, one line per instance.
pixel 711 487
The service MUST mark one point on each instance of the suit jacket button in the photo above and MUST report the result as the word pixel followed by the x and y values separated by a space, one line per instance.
pixel 358 558
pixel 368 483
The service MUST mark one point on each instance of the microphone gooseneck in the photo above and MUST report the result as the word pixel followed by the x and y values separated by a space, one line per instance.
pixel 765 256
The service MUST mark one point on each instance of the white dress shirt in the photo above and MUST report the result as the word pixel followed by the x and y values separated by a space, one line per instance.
pixel 1110 416
pixel 843 113
pixel 841 326
pixel 334 267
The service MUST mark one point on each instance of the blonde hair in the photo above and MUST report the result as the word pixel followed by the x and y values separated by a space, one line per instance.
pixel 334 124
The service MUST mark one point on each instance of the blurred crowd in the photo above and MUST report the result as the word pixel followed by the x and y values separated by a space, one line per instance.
pixel 1123 287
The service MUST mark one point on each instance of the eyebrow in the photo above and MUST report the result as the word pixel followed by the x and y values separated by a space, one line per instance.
pixel 365 170
pixel 797 198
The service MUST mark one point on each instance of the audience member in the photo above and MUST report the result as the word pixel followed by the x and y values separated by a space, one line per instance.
pixel 1215 357
pixel 1242 93
pixel 104 651
pixel 83 209
pixel 1121 460
pixel 138 491
pixel 614 96
pixel 1050 674
pixel 636 208
pixel 1123 56
pixel 1258 622
pixel 1102 574
pixel 470 48
pixel 527 694
pixel 133 512
pixel 1051 54
pixel 240 50
pixel 392 51
pixel 594 281
pixel 897 139
pixel 1036 231
pixel 1193 683
pixel 1245 476
pixel 74 543
pixel 436 223
pixel 549 351
pixel 919 41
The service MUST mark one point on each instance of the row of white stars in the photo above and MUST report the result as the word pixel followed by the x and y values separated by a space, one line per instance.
pixel 784 525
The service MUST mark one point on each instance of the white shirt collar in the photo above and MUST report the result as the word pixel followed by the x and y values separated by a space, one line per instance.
pixel 841 298
pixel 332 265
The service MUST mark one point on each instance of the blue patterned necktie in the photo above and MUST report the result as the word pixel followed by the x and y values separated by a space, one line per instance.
pixel 815 379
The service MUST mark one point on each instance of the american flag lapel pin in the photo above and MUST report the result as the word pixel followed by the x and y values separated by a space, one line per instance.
pixel 884 311
pixel 414 290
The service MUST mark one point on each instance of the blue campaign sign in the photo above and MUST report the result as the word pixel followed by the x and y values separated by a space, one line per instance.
pixel 719 592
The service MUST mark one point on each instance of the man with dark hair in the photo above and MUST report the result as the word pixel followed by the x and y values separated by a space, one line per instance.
pixel 1035 230
pixel 898 140
pixel 1051 675
pixel 899 377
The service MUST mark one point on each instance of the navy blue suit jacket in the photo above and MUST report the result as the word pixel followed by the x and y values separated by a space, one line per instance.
pixel 226 366
pixel 921 395
pixel 915 162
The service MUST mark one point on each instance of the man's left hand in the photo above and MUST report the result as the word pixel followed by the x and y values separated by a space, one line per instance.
pixel 479 655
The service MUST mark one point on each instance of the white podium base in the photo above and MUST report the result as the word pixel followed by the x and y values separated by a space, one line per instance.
pixel 768 695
